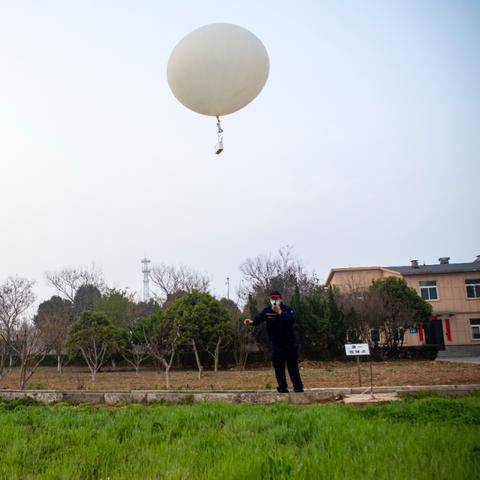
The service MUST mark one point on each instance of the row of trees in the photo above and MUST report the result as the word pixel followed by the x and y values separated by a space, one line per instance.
pixel 195 321
pixel 88 320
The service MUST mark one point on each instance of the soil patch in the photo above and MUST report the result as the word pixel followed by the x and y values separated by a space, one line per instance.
pixel 314 374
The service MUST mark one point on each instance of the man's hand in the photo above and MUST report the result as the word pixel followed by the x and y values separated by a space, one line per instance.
pixel 247 321
pixel 276 308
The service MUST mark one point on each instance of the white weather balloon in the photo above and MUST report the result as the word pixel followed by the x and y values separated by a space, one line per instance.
pixel 218 69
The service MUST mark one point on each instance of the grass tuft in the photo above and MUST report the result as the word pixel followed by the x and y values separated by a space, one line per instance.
pixel 429 410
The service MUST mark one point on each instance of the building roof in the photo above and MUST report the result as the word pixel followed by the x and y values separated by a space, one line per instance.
pixel 420 270
pixel 355 269
pixel 437 268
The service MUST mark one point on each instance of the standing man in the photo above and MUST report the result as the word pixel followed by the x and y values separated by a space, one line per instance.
pixel 279 318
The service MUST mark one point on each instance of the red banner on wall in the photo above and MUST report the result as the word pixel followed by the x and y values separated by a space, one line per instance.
pixel 448 332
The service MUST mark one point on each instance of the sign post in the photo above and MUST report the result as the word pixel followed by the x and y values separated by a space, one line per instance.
pixel 357 349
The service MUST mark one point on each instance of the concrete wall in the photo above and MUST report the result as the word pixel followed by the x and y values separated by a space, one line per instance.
pixel 314 395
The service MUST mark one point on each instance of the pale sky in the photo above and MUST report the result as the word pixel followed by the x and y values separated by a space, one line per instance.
pixel 362 149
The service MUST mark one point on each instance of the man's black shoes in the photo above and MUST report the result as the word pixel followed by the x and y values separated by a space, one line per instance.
pixel 285 390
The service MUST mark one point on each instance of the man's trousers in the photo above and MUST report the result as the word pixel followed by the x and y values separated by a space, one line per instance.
pixel 286 353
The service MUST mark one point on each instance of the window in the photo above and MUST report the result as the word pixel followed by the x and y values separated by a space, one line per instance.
pixel 473 288
pixel 475 328
pixel 428 289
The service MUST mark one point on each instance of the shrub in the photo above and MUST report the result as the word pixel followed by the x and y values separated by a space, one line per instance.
pixel 416 352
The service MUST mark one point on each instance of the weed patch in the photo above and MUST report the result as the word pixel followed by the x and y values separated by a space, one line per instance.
pixel 428 410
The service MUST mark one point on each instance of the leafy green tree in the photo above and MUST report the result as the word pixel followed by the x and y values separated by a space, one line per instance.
pixel 116 305
pixel 311 322
pixel 53 319
pixel 252 307
pixel 85 299
pixel 142 309
pixel 94 336
pixel 217 332
pixel 162 337
pixel 204 322
pixel 130 316
pixel 259 335
pixel 400 306
pixel 335 325
pixel 240 337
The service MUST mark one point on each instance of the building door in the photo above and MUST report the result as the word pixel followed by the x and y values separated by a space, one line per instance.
pixel 434 333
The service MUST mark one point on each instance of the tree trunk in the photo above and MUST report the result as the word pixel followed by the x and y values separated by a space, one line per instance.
pixel 94 374
pixel 114 365
pixel 217 355
pixel 22 376
pixel 236 353
pixel 59 363
pixel 167 376
pixel 197 358
pixel 157 365
pixel 244 359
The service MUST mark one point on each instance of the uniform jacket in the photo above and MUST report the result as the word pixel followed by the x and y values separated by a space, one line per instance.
pixel 279 327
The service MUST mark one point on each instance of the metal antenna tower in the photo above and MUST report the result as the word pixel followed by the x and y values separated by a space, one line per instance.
pixel 146 279
pixel 228 288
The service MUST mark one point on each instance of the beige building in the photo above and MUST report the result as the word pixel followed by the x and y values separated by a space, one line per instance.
pixel 453 290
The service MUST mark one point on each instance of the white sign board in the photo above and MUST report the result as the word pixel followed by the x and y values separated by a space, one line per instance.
pixel 357 349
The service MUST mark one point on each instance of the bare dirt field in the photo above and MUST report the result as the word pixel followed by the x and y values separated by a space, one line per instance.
pixel 315 374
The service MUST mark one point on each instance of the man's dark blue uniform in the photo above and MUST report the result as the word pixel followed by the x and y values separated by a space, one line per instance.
pixel 284 347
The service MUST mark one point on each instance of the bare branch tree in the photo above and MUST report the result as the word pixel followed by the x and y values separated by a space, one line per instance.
pixel 373 310
pixel 135 350
pixel 68 280
pixel 135 354
pixel 367 311
pixel 16 298
pixel 53 318
pixel 172 279
pixel 4 352
pixel 31 346
pixel 283 271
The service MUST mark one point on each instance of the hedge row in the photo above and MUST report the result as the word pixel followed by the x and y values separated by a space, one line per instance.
pixel 416 352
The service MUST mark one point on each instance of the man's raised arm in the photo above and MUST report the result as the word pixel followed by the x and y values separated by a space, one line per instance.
pixel 257 320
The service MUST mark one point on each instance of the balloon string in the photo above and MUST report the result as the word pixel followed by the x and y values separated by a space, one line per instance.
pixel 220 130
pixel 219 146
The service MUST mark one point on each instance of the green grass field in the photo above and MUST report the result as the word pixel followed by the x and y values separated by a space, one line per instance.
pixel 429 438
